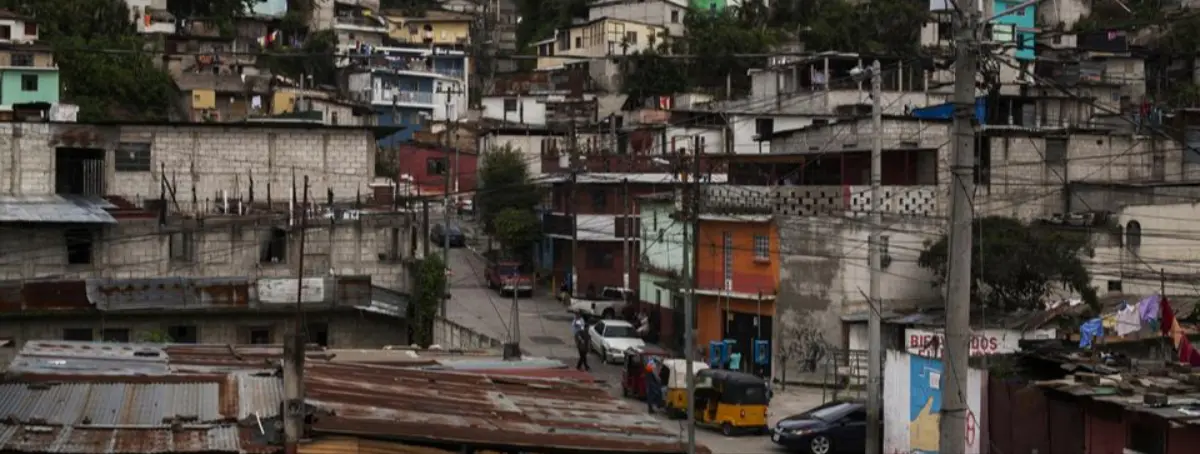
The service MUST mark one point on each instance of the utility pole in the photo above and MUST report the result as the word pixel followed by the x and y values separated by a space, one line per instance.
pixel 294 347
pixel 874 306
pixel 626 225
pixel 691 268
pixel 953 423
pixel 574 163
pixel 446 212
pixel 425 225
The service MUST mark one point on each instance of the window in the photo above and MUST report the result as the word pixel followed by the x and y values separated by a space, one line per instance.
pixel 182 246
pixel 29 82
pixel 1056 150
pixel 727 246
pixel 599 200
pixel 114 335
pixel 275 251
pixel 578 42
pixel 21 59
pixel 1003 33
pixel 510 105
pixel 259 335
pixel 762 248
pixel 318 333
pixel 77 334
pixel 599 258
pixel 1133 236
pixel 184 334
pixel 631 37
pixel 763 127
pixel 30 29
pixel 333 118
pixel 657 297
pixel 1114 286
pixel 655 221
pixel 674 16
pixel 435 166
pixel 132 157
pixel 79 246
pixel 5 32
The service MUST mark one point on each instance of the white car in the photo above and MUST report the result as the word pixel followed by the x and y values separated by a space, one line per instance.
pixel 610 338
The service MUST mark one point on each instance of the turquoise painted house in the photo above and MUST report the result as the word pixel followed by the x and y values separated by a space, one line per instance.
pixel 28 73
pixel 661 263
pixel 714 6
pixel 1017 26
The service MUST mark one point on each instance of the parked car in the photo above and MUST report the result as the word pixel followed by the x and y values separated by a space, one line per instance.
pixel 835 427
pixel 441 232
pixel 610 339
pixel 607 305
pixel 509 276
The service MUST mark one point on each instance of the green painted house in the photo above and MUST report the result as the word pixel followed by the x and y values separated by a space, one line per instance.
pixel 715 6
pixel 661 263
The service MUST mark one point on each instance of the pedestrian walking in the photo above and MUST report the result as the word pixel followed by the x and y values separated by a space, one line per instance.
pixel 579 324
pixel 652 385
pixel 582 342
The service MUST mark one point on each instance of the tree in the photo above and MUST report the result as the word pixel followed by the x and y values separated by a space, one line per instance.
pixel 504 183
pixel 1020 262
pixel 100 59
pixel 314 58
pixel 516 230
pixel 429 288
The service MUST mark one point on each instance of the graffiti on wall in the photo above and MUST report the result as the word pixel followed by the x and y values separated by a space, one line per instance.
pixel 912 410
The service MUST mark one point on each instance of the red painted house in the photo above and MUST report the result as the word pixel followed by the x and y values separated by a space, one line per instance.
pixel 428 164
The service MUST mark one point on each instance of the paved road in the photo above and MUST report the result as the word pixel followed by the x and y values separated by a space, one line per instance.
pixel 546 332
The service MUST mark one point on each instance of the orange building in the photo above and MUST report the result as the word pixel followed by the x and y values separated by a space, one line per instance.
pixel 738 261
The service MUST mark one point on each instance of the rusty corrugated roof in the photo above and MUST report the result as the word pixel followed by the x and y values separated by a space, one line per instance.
pixel 120 440
pixel 472 409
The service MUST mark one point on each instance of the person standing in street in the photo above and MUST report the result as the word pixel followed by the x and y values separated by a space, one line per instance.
pixel 579 324
pixel 582 342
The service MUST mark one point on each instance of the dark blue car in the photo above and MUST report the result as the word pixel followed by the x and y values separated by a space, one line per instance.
pixel 836 427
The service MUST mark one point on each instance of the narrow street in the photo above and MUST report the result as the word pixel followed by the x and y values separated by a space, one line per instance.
pixel 545 328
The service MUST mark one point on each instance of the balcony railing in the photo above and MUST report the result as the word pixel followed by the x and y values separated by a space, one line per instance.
pixel 917 200
pixel 359 21
pixel 402 97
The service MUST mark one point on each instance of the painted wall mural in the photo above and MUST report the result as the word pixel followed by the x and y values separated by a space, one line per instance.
pixel 913 401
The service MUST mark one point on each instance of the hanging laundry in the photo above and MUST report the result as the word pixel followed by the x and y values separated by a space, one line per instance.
pixel 1109 321
pixel 1172 329
pixel 1128 320
pixel 1090 330
pixel 1148 307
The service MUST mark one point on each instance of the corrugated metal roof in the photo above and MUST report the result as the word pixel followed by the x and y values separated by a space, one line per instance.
pixel 67 357
pixel 259 395
pixel 122 440
pixel 167 293
pixel 55 209
pixel 118 404
pixel 434 406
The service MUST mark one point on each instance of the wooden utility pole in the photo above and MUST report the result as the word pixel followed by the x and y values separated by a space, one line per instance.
pixel 294 348
pixel 574 164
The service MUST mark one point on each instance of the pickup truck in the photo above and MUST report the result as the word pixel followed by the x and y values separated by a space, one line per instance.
pixel 507 277
pixel 607 305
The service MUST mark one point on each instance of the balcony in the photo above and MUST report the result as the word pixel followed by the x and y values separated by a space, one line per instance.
pixel 157 27
pixel 423 99
pixel 915 200
pixel 359 23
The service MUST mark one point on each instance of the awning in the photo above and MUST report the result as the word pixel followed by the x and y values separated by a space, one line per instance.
pixel 55 209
